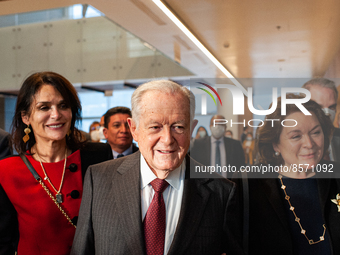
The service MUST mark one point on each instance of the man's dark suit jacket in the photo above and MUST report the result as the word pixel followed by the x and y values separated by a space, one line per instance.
pixel 201 151
pixel 5 149
pixel 110 220
pixel 134 148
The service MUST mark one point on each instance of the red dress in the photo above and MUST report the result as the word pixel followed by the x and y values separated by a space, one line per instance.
pixel 43 228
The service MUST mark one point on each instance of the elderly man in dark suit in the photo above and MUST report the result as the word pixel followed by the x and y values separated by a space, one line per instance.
pixel 5 149
pixel 146 203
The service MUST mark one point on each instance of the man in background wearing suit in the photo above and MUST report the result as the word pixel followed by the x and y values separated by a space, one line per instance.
pixel 324 92
pixel 146 203
pixel 117 131
pixel 217 149
pixel 5 149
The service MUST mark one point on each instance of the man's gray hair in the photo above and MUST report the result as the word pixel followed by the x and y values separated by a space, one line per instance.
pixel 323 82
pixel 164 86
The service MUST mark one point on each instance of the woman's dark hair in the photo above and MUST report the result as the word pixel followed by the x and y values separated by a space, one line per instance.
pixel 269 133
pixel 28 90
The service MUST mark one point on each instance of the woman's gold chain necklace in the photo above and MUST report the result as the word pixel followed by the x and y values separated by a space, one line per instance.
pixel 297 219
pixel 59 195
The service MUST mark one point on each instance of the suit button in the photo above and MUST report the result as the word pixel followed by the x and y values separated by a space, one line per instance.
pixel 74 220
pixel 75 194
pixel 73 167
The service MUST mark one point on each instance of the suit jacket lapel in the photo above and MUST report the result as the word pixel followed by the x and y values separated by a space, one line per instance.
pixel 195 198
pixel 130 202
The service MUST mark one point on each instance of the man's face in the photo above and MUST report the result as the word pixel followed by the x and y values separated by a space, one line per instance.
pixel 219 129
pixel 118 132
pixel 163 134
pixel 323 96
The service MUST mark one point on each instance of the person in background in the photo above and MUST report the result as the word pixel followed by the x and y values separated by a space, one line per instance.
pixel 94 127
pixel 117 131
pixel 324 92
pixel 5 147
pixel 217 149
pixel 41 188
pixel 248 148
pixel 228 133
pixel 201 132
pixel 295 209
pixel 146 203
pixel 244 133
pixel 97 133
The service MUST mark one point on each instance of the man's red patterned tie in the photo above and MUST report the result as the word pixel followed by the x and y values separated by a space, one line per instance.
pixel 154 221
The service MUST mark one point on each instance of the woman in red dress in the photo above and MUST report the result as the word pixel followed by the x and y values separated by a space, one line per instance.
pixel 38 214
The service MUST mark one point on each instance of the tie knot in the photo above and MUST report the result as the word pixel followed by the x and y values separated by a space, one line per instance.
pixel 218 142
pixel 159 185
pixel 120 155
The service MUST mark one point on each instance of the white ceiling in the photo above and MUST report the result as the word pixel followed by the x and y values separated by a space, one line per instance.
pixel 252 39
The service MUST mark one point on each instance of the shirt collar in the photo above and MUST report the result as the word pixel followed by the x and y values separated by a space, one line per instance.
pixel 148 176
pixel 213 139
pixel 128 151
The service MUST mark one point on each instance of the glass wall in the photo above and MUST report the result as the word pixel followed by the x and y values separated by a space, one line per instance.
pixel 96 104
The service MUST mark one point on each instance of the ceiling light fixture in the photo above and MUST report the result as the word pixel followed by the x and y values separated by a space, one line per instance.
pixel 194 39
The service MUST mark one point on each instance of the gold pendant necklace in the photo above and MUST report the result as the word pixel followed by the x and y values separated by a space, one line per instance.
pixel 59 195
pixel 303 231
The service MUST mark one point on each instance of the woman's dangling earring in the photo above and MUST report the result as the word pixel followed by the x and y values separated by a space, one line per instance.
pixel 27 131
